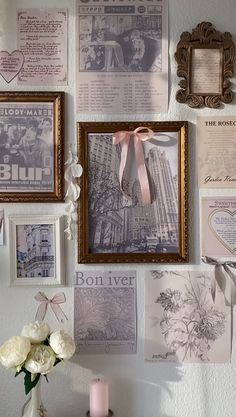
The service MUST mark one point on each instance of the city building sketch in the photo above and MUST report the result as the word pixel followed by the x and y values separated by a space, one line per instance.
pixel 182 322
pixel 35 251
pixel 120 43
pixel 105 311
pixel 121 225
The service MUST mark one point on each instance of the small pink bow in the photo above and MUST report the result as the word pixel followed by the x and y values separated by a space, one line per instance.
pixel 123 137
pixel 58 298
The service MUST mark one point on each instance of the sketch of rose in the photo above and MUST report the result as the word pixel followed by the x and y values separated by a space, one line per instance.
pixel 170 300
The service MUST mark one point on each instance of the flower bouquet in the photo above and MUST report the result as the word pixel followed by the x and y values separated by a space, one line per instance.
pixel 35 352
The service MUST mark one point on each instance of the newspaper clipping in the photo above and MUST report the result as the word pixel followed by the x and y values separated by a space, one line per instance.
pixel 122 58
pixel 26 147
pixel 105 311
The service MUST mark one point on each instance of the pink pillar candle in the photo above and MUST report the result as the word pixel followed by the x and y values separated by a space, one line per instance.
pixel 98 398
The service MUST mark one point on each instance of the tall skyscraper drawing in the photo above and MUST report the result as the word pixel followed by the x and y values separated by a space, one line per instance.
pixel 164 187
pixel 105 215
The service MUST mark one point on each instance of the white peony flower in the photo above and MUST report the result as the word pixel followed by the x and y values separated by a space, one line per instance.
pixel 14 351
pixel 37 332
pixel 40 359
pixel 62 344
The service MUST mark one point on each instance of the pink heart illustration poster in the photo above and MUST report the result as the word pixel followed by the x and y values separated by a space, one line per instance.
pixel 11 64
pixel 218 226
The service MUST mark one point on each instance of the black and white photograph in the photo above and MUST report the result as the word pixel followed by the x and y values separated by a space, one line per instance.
pixel 120 43
pixel 35 249
pixel 30 143
pixel 120 222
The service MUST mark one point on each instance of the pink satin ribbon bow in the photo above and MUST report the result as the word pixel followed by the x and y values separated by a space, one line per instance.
pixel 123 137
pixel 58 298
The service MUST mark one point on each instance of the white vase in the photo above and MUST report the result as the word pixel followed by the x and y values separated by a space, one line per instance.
pixel 34 406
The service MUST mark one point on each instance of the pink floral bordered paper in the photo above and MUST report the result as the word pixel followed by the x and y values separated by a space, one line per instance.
pixel 182 322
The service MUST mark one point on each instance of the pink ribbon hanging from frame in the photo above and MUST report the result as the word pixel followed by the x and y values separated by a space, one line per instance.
pixel 123 137
pixel 54 302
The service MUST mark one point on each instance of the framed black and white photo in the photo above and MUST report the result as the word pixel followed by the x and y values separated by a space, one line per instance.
pixel 36 250
pixel 115 224
pixel 31 146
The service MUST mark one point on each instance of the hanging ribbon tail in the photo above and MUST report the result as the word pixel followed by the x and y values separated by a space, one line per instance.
pixel 59 313
pixel 142 172
pixel 123 138
pixel 224 279
pixel 41 311
pixel 59 298
pixel 233 281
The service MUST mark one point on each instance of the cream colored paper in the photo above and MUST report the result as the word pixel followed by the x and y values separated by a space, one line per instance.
pixel 219 226
pixel 182 322
pixel 206 71
pixel 42 37
pixel 216 143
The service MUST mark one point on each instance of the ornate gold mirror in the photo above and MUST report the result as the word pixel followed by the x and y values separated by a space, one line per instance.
pixel 205 61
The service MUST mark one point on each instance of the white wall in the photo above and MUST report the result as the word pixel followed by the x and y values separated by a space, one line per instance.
pixel 137 388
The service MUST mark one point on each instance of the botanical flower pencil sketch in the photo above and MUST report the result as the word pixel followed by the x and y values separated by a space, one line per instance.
pixel 182 321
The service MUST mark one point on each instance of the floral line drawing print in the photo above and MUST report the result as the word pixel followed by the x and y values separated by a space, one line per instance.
pixel 189 322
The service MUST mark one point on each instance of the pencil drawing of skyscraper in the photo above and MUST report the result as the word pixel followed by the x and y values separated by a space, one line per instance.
pixel 164 189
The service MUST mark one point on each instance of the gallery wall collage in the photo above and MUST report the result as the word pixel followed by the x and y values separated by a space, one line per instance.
pixel 126 186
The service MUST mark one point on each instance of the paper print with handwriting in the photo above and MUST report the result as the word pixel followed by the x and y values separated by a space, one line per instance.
pixel 42 37
pixel 11 64
pixel 219 226
pixel 182 322
pixel 105 311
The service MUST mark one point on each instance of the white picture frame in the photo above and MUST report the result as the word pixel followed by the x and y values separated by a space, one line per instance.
pixel 36 250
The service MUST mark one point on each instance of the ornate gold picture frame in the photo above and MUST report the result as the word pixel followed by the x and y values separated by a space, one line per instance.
pixel 205 61
pixel 117 226
pixel 31 146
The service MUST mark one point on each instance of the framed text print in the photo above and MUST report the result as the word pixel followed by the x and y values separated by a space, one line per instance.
pixel 133 204
pixel 31 146
pixel 205 61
